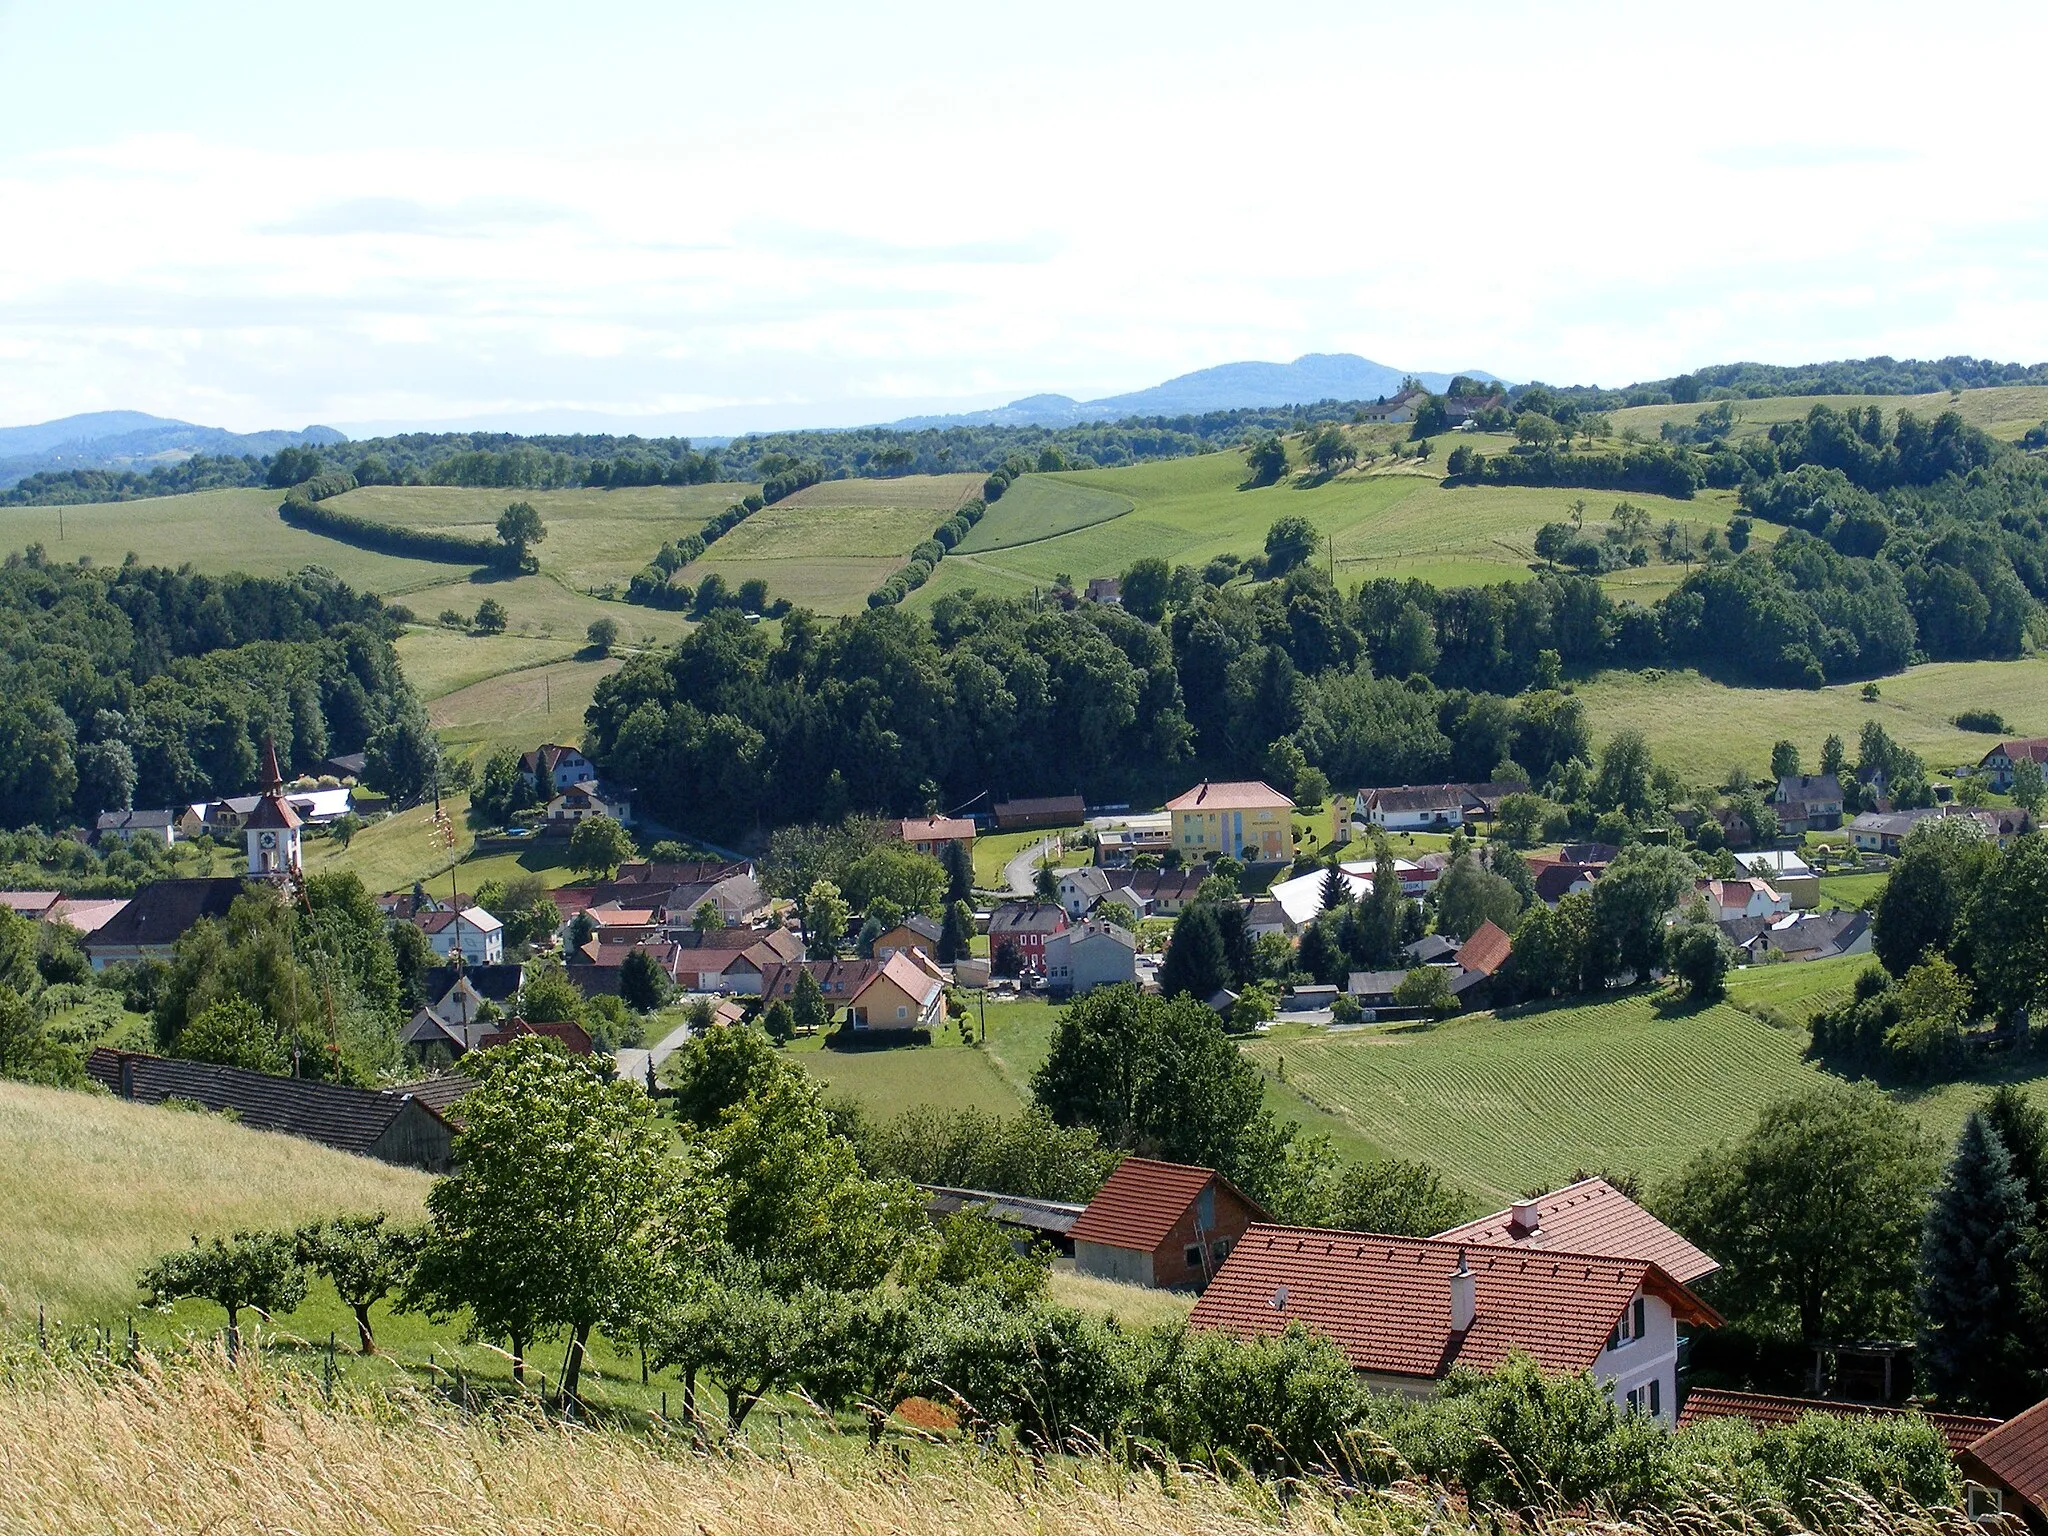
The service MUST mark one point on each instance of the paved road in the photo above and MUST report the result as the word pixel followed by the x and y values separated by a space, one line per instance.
pixel 632 1061
pixel 1019 873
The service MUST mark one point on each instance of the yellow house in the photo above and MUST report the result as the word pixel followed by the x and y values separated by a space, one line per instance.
pixel 1243 819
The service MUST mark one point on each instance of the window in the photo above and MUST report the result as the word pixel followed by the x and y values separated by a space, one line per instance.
pixel 1636 1316
pixel 1657 1395
pixel 1984 1504
pixel 1193 1256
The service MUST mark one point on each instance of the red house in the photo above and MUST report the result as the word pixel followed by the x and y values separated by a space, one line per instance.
pixel 1166 1225
pixel 1025 926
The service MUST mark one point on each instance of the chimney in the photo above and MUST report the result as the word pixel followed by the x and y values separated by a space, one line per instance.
pixel 1524 1218
pixel 1464 1295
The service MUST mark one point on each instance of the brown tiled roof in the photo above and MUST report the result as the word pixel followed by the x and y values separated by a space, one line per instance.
pixel 1767 1411
pixel 571 1036
pixel 936 829
pixel 2015 1453
pixel 1592 1216
pixel 839 980
pixel 1140 1204
pixel 1386 1301
pixel 1239 795
pixel 687 872
pixel 1487 950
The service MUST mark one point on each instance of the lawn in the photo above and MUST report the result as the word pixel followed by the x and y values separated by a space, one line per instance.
pixel 594 537
pixel 438 662
pixel 213 531
pixel 1702 728
pixel 1041 507
pixel 1850 890
pixel 939 495
pixel 992 850
pixel 1503 1104
pixel 944 1075
pixel 96 1187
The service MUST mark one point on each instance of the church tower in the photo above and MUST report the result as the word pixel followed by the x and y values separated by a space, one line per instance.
pixel 272 829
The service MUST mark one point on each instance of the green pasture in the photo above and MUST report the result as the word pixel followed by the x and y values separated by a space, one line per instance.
pixel 521 709
pixel 940 495
pixel 594 537
pixel 1792 992
pixel 1041 507
pixel 392 852
pixel 544 607
pixel 1702 728
pixel 215 532
pixel 2005 412
pixel 1503 1104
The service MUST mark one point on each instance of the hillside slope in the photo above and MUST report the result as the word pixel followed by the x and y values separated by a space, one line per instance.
pixel 97 1187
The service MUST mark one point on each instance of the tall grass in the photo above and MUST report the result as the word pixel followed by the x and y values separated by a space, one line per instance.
pixel 95 1187
pixel 210 1446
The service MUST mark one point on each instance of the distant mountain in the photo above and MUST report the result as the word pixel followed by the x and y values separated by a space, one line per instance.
pixel 131 440
pixel 1226 387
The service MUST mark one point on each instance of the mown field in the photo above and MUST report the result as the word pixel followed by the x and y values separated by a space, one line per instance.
pixel 1041 507
pixel 1702 727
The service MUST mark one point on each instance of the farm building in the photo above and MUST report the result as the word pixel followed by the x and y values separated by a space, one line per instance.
pixel 1997 764
pixel 157 916
pixel 1047 811
pixel 1166 1225
pixel 1028 1220
pixel 1409 1311
pixel 390 1126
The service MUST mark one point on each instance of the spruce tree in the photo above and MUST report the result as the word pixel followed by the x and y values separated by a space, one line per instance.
pixel 1195 963
pixel 1336 890
pixel 1972 1296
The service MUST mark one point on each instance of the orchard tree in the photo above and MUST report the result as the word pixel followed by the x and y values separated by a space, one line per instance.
pixel 365 1257
pixel 567 1208
pixel 717 1070
pixel 250 1269
pixel 2029 787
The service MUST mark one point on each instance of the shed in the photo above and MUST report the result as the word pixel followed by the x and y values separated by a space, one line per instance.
pixel 1167 1225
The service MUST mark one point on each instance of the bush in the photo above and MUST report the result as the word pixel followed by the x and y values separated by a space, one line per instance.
pixel 302 509
pixel 1989 721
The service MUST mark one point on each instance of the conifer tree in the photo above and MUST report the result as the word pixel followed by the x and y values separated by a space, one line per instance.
pixel 1336 890
pixel 1195 963
pixel 1972 1287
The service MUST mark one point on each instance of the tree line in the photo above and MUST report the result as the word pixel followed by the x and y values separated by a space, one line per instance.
pixel 154 687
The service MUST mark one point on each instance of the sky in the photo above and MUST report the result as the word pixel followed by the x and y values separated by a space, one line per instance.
pixel 680 217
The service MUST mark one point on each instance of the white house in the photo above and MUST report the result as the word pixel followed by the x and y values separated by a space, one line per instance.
pixel 551 769
pixel 588 798
pixel 1091 955
pixel 1730 899
pixel 472 933
pixel 1410 808
pixel 1080 889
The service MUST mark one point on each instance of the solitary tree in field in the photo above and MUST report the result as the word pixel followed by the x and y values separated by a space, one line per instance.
pixel 519 529
pixel 491 617
pixel 365 1257
pixel 1290 542
pixel 250 1269
pixel 603 634
pixel 1266 459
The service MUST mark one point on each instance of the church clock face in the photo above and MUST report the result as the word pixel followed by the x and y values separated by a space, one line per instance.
pixel 268 839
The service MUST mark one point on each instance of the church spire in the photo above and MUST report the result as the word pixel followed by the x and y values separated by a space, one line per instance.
pixel 273 780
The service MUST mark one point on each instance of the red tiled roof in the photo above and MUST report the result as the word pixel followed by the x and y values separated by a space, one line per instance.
pixel 1766 1411
pixel 1386 1301
pixel 2015 1453
pixel 273 810
pixel 1140 1204
pixel 572 1036
pixel 1242 795
pixel 1486 951
pixel 1591 1216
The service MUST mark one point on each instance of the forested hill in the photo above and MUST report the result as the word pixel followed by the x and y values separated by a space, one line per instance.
pixel 147 687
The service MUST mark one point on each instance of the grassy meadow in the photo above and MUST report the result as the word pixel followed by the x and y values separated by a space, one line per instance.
pixel 2004 412
pixel 1391 520
pixel 1702 727
pixel 831 544
pixel 96 1187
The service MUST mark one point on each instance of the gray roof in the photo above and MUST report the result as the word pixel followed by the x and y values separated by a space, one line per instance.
pixel 348 1119
pixel 162 911
pixel 1056 1217
pixel 134 821
pixel 1431 948
pixel 1375 983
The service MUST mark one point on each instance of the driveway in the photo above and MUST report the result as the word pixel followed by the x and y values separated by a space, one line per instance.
pixel 633 1062
pixel 1020 872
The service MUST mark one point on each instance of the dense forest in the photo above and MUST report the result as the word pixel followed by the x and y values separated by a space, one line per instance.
pixel 1850 376
pixel 150 687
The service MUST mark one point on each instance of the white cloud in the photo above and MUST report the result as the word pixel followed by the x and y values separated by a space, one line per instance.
pixel 806 209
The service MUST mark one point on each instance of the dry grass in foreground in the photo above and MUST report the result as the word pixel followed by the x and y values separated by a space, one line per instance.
pixel 209 1446
pixel 96 1187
